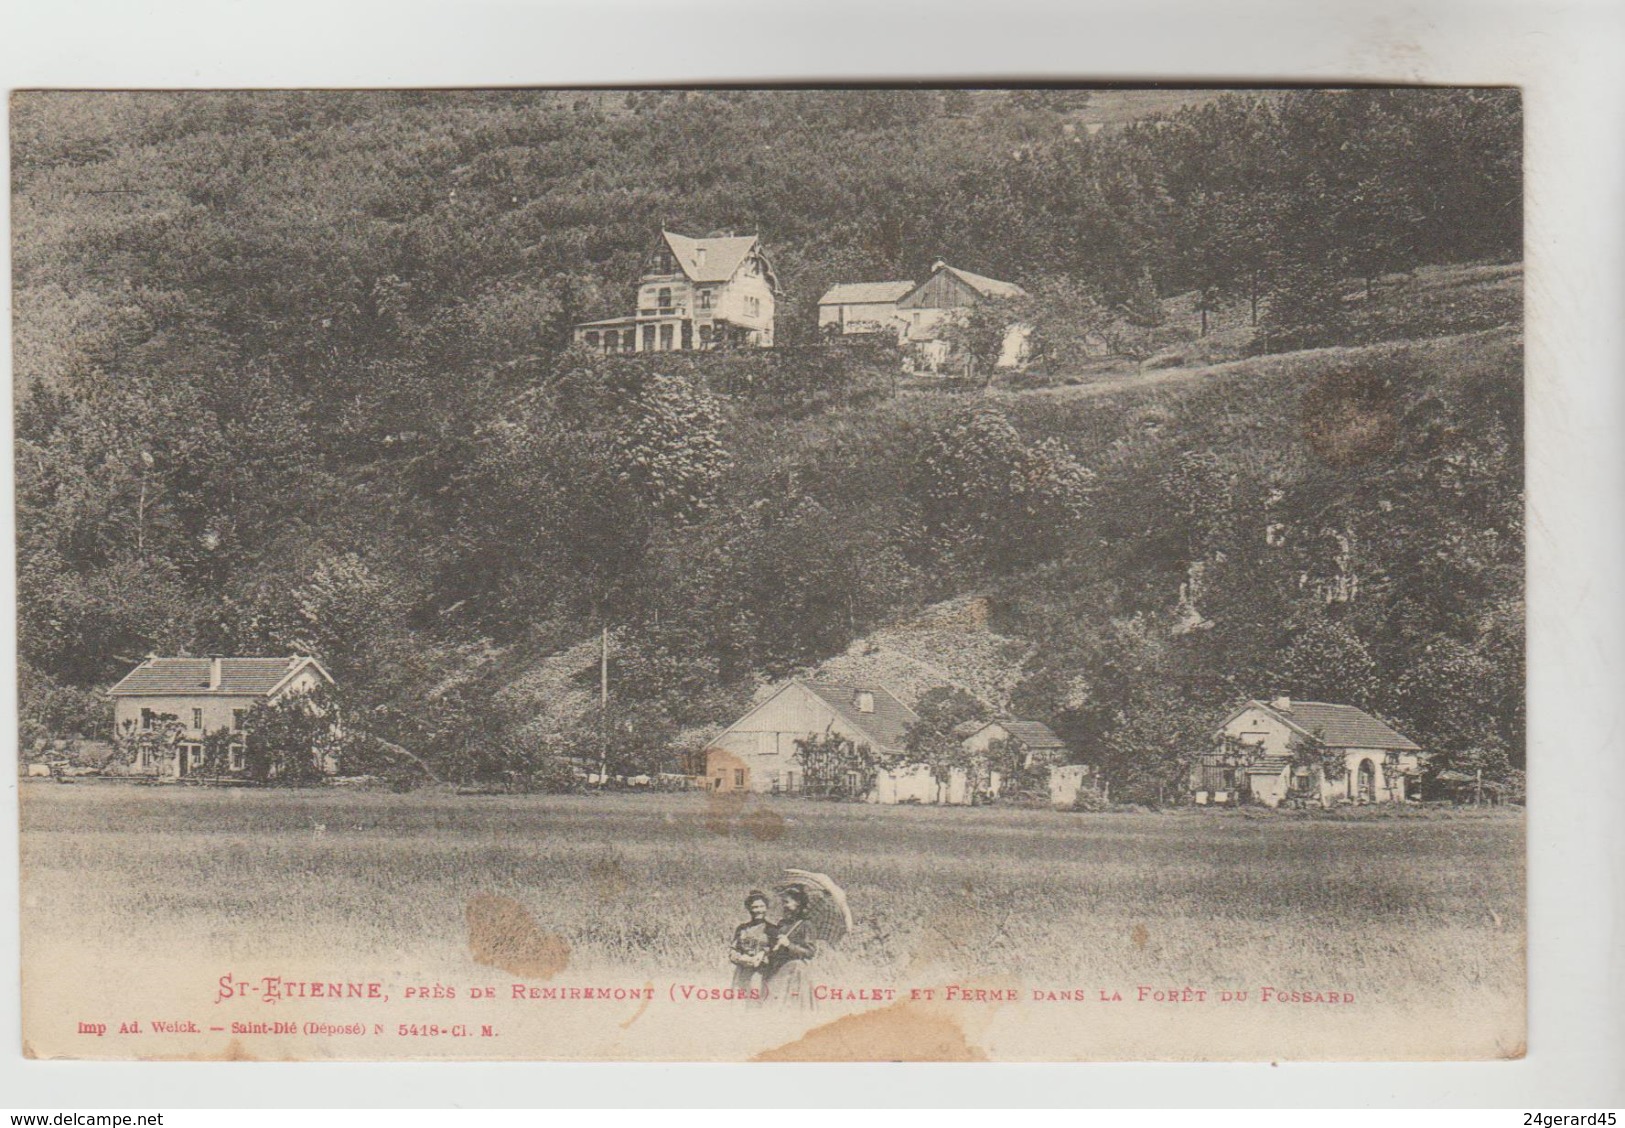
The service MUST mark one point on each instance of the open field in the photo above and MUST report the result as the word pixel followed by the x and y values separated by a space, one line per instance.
pixel 1434 904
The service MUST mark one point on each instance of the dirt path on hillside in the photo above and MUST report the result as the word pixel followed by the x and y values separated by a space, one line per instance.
pixel 1162 377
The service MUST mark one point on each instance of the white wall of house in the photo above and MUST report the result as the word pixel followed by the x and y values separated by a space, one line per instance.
pixel 758 753
pixel 860 317
pixel 747 300
pixel 1254 726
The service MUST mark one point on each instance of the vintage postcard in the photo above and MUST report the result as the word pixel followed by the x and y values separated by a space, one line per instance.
pixel 771 574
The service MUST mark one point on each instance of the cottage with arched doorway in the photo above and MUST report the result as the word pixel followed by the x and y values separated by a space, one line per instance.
pixel 1305 752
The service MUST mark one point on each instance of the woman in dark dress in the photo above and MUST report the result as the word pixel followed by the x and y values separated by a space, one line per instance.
pixel 786 980
pixel 752 942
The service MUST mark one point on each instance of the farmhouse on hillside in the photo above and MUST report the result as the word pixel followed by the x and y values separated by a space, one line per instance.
pixel 928 313
pixel 1305 751
pixel 862 307
pixel 694 294
pixel 179 701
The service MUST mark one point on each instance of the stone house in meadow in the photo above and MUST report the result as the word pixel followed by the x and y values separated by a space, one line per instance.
pixel 1305 752
pixel 181 700
pixel 693 294
pixel 759 751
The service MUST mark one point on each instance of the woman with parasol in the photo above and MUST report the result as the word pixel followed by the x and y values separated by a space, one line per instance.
pixel 814 912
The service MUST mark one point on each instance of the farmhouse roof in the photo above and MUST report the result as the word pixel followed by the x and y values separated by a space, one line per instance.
pixel 239 677
pixel 981 283
pixel 710 260
pixel 1336 726
pixel 886 726
pixel 857 293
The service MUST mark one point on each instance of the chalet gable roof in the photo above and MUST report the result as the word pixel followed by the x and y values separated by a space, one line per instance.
pixel 710 260
pixel 1334 726
pixel 239 677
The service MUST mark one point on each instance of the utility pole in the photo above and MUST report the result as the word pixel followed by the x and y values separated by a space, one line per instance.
pixel 603 707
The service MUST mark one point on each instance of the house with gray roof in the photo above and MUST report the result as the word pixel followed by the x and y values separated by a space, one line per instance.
pixel 166 706
pixel 1306 752
pixel 862 307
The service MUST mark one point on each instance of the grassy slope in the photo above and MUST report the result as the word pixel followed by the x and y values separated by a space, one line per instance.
pixel 1235 408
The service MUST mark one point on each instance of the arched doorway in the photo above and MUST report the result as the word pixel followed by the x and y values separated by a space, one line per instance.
pixel 1366 782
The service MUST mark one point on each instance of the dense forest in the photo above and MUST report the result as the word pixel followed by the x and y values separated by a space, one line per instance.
pixel 292 374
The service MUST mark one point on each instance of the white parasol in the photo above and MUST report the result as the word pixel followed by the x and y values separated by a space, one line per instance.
pixel 828 916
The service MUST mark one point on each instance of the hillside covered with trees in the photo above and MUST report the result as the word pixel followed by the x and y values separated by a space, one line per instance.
pixel 292 375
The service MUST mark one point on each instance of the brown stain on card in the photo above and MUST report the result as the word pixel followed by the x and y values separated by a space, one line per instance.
pixel 763 824
pixel 503 934
pixel 901 1032
pixel 1350 417
pixel 1141 935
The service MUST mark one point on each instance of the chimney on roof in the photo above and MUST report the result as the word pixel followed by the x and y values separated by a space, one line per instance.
pixel 1282 704
pixel 215 662
pixel 699 256
pixel 938 265
pixel 865 700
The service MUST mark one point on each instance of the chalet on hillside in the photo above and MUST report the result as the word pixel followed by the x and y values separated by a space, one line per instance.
pixel 1305 751
pixel 694 294
pixel 179 701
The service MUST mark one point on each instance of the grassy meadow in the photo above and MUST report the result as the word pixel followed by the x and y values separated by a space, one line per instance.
pixel 1427 905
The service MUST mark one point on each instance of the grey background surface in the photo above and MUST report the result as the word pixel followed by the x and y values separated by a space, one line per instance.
pixel 1575 114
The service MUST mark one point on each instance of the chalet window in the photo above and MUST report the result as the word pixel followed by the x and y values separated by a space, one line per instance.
pixel 666 338
pixel 235 758
pixel 592 339
pixel 197 719
pixel 705 297
pixel 739 777
pixel 767 743
pixel 648 338
pixel 665 297
pixel 237 716
pixel 194 755
pixel 147 720
pixel 753 307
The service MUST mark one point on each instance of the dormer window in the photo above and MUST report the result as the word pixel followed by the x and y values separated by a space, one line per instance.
pixel 866 702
